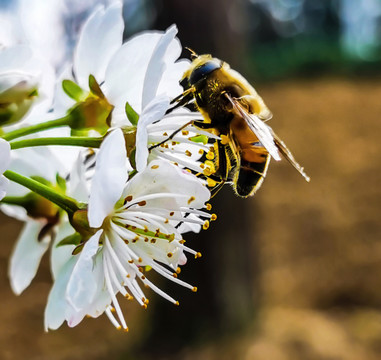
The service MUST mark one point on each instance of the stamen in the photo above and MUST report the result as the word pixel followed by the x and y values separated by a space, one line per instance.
pixel 113 297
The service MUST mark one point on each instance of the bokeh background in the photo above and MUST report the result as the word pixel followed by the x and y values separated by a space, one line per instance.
pixel 293 273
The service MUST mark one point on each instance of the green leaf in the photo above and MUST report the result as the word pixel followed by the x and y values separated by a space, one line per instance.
pixel 73 239
pixel 73 90
pixel 132 115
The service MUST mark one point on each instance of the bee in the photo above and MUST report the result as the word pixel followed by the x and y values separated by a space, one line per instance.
pixel 234 111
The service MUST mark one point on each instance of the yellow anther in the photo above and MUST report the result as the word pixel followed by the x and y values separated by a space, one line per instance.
pixel 126 329
pixel 194 289
pixel 201 151
pixel 188 153
pixel 213 217
pixel 224 139
pixel 169 255
pixel 211 183
pixel 208 207
pixel 154 167
pixel 191 199
pixel 119 328
pixel 144 306
pixel 209 168
pixel 178 270
pixel 185 132
pixel 206 225
pixel 177 303
pixel 197 255
pixel 174 275
pixel 210 155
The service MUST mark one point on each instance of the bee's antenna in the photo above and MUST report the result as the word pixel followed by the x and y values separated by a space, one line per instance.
pixel 194 55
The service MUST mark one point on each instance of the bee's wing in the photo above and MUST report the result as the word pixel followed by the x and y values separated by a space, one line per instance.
pixel 270 141
pixel 288 155
pixel 258 127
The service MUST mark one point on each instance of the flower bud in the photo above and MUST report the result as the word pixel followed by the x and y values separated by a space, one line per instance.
pixel 18 91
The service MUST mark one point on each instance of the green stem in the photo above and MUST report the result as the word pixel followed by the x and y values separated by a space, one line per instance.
pixel 65 121
pixel 89 142
pixel 64 202
pixel 14 200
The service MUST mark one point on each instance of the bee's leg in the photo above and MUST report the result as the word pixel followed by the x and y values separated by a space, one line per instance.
pixel 216 189
pixel 172 135
pixel 182 99
pixel 197 123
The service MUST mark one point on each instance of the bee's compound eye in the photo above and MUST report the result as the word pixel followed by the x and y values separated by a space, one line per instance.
pixel 203 70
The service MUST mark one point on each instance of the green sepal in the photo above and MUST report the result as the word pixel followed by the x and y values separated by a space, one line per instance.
pixel 73 239
pixel 78 249
pixel 132 115
pixel 73 90
pixel 131 157
pixel 95 88
pixel 61 182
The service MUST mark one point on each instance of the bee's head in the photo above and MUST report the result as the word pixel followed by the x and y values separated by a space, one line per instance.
pixel 200 68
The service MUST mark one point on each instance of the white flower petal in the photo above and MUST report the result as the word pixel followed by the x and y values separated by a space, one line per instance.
pixel 3 186
pixel 157 66
pixel 163 177
pixel 101 36
pixel 126 71
pixel 82 284
pixel 61 254
pixel 111 173
pixel 153 112
pixel 26 257
pixel 78 183
pixel 170 81
pixel 56 307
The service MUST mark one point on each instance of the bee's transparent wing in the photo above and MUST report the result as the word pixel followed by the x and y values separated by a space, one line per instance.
pixel 283 149
pixel 270 141
pixel 258 127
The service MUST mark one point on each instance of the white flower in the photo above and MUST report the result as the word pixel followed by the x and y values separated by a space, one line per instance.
pixel 184 148
pixel 5 157
pixel 144 72
pixel 135 72
pixel 137 224
pixel 42 222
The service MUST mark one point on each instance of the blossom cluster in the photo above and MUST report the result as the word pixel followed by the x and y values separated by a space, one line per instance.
pixel 80 167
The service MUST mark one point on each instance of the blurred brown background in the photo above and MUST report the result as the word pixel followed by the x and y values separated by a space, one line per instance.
pixel 294 272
